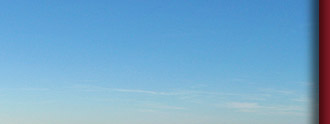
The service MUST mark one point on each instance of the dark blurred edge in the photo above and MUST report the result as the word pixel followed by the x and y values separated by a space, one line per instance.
pixel 315 61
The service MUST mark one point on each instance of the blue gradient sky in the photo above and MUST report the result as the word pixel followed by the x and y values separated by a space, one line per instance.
pixel 155 62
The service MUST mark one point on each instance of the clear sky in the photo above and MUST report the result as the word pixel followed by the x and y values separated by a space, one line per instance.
pixel 155 62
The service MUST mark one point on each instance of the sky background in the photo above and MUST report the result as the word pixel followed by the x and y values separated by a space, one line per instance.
pixel 155 62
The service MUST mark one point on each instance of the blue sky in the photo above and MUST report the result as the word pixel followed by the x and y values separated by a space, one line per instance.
pixel 178 62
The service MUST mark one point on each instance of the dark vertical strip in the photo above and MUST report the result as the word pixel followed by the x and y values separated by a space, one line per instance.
pixel 315 60
pixel 324 49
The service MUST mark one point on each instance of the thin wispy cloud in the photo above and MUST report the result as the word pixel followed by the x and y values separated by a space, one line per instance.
pixel 244 105
pixel 88 88
pixel 301 99
pixel 161 106
pixel 151 92
pixel 198 97
pixel 167 107
pixel 185 94
pixel 145 92
pixel 33 89
pixel 276 91
pixel 256 107
pixel 27 89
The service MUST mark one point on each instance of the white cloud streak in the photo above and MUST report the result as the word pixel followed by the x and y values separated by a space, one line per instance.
pixel 256 107
pixel 285 92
